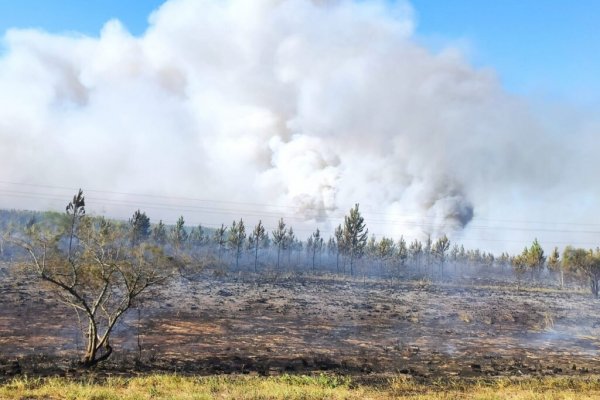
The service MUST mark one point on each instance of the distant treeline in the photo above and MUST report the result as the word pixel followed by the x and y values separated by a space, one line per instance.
pixel 350 251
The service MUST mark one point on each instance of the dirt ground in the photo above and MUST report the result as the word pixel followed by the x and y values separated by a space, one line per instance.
pixel 296 323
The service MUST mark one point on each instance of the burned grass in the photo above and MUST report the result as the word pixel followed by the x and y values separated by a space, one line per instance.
pixel 301 324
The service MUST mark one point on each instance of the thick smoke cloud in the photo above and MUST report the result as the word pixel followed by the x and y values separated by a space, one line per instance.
pixel 290 107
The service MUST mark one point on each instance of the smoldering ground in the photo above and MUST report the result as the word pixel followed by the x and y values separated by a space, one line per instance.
pixel 292 322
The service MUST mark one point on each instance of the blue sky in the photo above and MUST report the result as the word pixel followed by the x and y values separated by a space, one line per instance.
pixel 538 47
pixel 550 47
pixel 86 17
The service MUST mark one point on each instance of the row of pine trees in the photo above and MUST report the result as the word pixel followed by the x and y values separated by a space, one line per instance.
pixel 350 250
pixel 350 244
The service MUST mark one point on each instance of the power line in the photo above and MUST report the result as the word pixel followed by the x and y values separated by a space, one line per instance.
pixel 271 215
pixel 215 211
pixel 292 208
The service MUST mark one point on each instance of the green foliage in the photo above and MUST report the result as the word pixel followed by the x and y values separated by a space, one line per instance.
pixel 535 256
pixel 531 259
pixel 236 239
pixel 139 225
pixel 354 235
pixel 257 239
pixel 386 249
pixel 94 272
pixel 220 239
pixel 371 247
pixel 585 264
pixel 415 249
pixel 554 262
pixel 279 237
pixel 440 247
pixel 197 236
pixel 178 234
pixel 159 233
pixel 315 245
pixel 401 251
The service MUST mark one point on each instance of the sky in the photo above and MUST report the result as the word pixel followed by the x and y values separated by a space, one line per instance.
pixel 474 119
pixel 538 47
pixel 547 47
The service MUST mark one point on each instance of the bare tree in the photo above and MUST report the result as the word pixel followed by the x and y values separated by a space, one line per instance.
pixel 89 265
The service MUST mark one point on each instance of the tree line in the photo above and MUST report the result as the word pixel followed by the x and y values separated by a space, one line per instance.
pixel 349 250
pixel 101 268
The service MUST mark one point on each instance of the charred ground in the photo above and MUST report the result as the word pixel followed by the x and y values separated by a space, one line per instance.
pixel 274 323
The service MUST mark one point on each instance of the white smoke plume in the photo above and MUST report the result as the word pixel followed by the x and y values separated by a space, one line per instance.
pixel 295 108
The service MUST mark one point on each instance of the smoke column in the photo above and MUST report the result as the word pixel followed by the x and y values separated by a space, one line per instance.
pixel 295 108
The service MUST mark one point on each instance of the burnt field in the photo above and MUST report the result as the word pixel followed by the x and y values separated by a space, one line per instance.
pixel 300 323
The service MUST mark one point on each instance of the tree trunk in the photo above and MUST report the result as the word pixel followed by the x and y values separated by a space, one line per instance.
pixel 594 286
pixel 256 257
pixel 278 254
pixel 95 343
pixel 562 278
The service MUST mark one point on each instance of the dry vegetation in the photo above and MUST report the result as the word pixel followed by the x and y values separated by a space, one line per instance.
pixel 299 387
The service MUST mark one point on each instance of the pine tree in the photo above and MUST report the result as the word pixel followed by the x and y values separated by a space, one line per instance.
pixel 289 243
pixel 315 246
pixel 178 234
pixel 439 250
pixel 427 252
pixel 257 238
pixel 385 250
pixel 219 239
pixel 139 225
pixel 196 237
pixel 279 236
pixel 339 244
pixel 159 233
pixel 535 258
pixel 416 250
pixel 237 237
pixel 401 252
pixel 355 236
pixel 554 265
pixel 371 247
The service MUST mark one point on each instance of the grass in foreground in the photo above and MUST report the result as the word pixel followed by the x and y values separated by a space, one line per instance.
pixel 296 387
